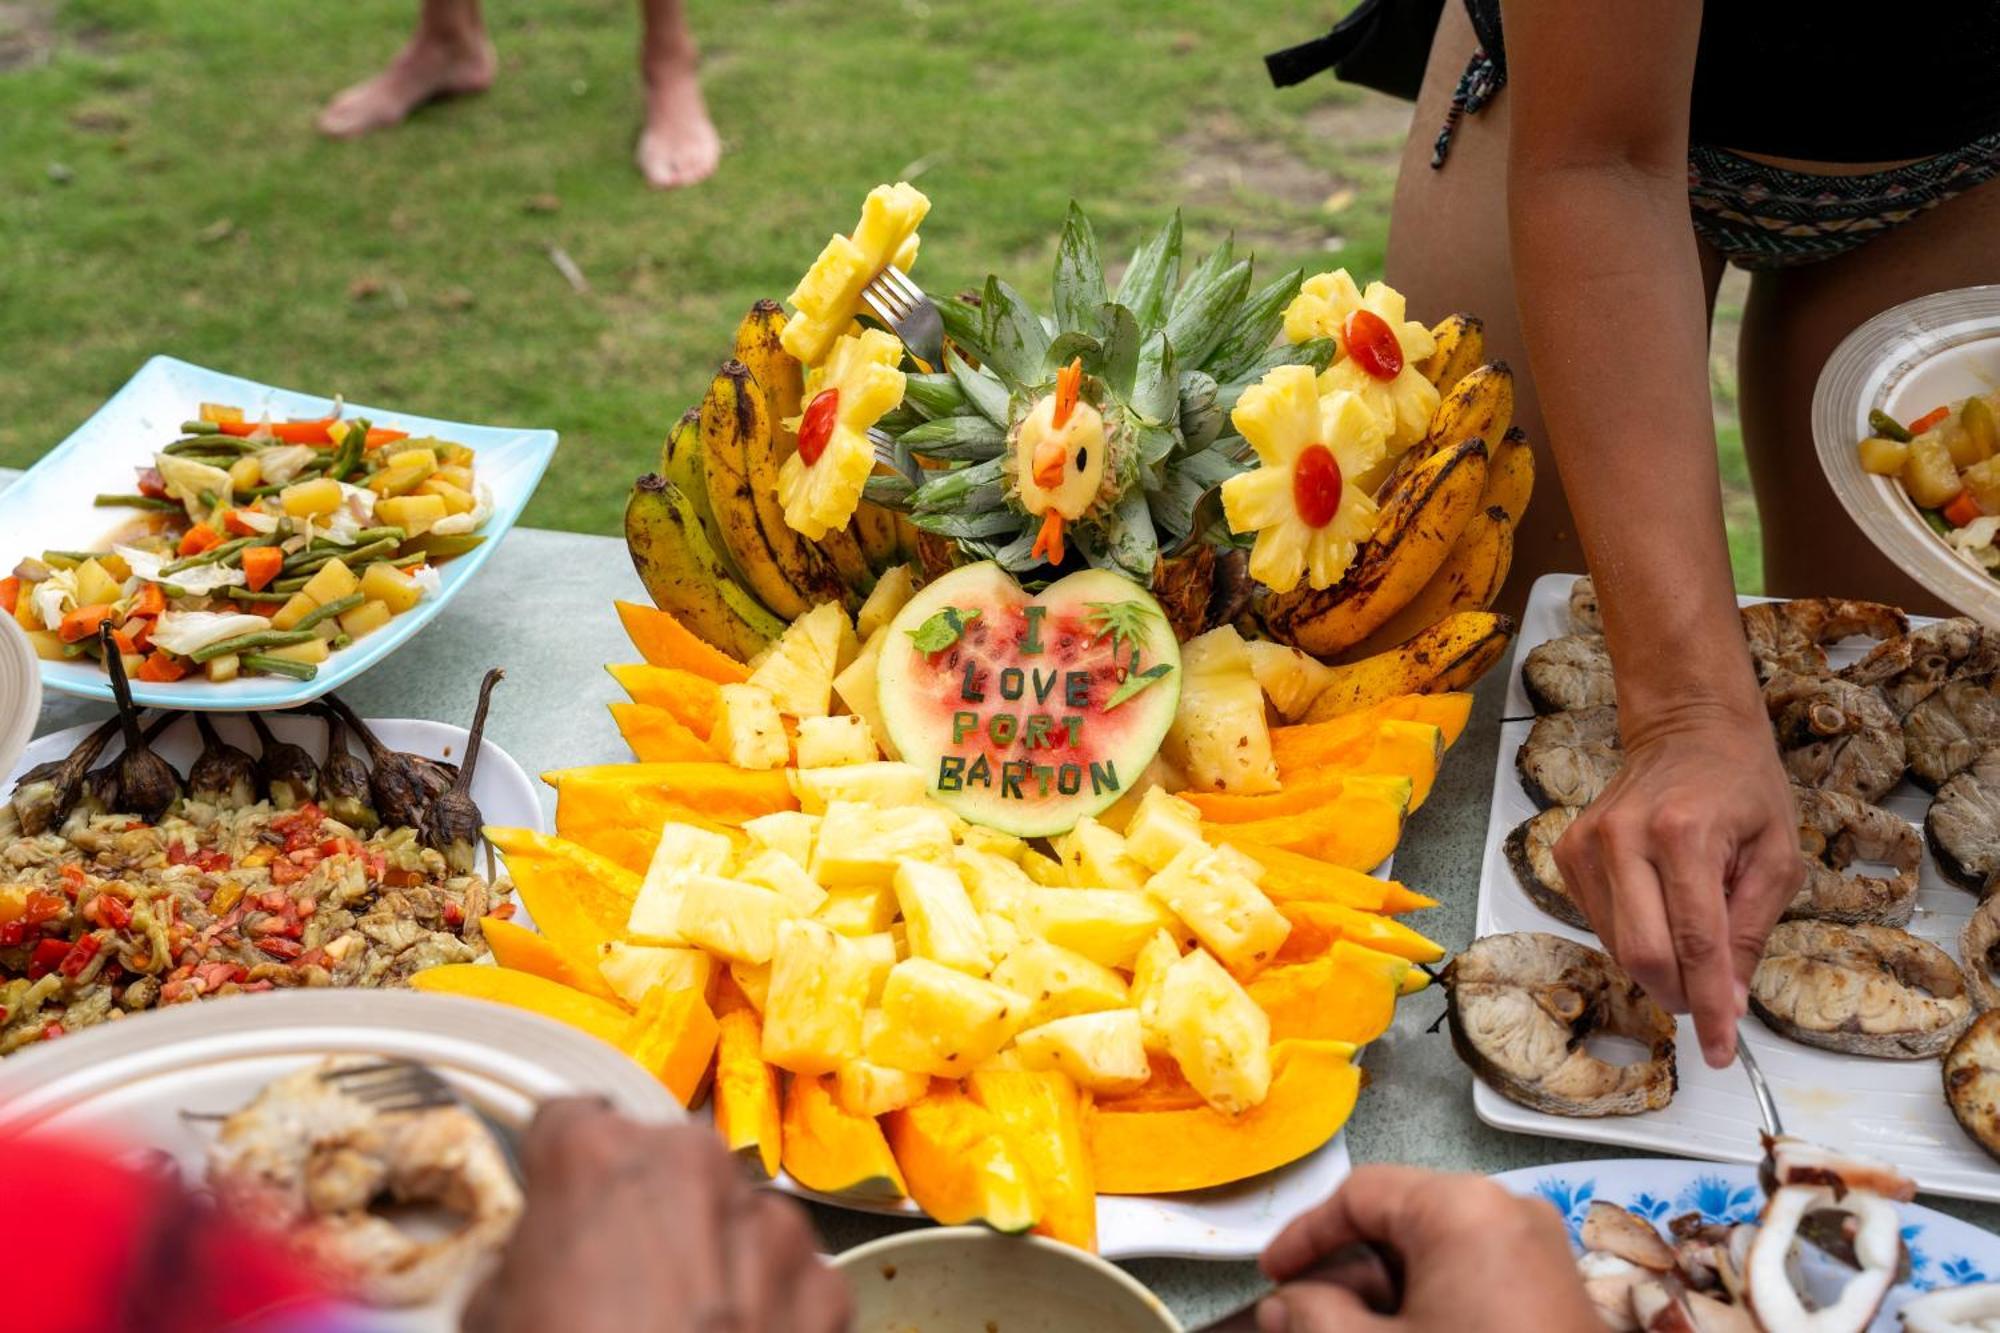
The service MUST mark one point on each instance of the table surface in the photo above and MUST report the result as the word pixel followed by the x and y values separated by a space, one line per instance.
pixel 542 609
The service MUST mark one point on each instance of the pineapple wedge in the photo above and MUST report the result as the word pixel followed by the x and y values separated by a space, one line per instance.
pixel 1104 1052
pixel 736 920
pixel 859 847
pixel 891 593
pixel 1214 892
pixel 683 850
pixel 979 838
pixel 1215 1032
pixel 939 919
pixel 634 971
pixel 753 981
pixel 800 669
pixel 780 873
pixel 1161 828
pixel 788 831
pixel 872 1090
pixel 1149 972
pixel 935 1020
pixel 831 742
pixel 858 912
pixel 748 730
pixel 855 685
pixel 860 380
pixel 1107 926
pixel 996 885
pixel 1097 858
pixel 1219 737
pixel 881 785
pixel 1061 983
pixel 828 297
pixel 818 992
pixel 1290 677
pixel 1001 933
pixel 1044 870
pixel 882 955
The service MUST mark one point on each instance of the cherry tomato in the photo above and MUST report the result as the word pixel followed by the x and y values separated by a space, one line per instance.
pixel 1372 344
pixel 816 426
pixel 1316 485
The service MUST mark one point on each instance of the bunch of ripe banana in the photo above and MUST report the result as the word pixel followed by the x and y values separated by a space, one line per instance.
pixel 707 533
pixel 1413 607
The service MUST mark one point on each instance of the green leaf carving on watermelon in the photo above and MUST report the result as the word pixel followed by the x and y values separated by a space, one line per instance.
pixel 942 630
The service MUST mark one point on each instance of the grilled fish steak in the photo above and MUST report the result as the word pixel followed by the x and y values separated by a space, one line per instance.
pixel 1835 832
pixel 1791 637
pixel 1531 852
pixel 1911 667
pixel 1972 1081
pixel 1861 990
pixel 1951 727
pixel 1836 735
pixel 1979 953
pixel 1568 758
pixel 1570 672
pixel 1963 825
pixel 1585 616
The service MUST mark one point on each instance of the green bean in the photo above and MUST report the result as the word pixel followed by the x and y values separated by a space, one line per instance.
pixel 136 502
pixel 410 561
pixel 200 428
pixel 263 638
pixel 350 556
pixel 340 641
pixel 291 585
pixel 66 559
pixel 214 555
pixel 280 666
pixel 1888 427
pixel 370 535
pixel 245 595
pixel 338 606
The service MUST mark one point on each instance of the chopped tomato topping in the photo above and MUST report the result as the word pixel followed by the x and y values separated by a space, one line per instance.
pixel 285 870
pixel 108 909
pixel 78 957
pixel 48 956
pixel 13 932
pixel 454 915
pixel 504 912
pixel 816 426
pixel 74 882
pixel 1372 344
pixel 281 948
pixel 1928 419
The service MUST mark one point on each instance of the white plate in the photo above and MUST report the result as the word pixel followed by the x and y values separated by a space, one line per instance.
pixel 50 509
pixel 1907 360
pixel 20 691
pixel 1944 1252
pixel 127 1082
pixel 1893 1109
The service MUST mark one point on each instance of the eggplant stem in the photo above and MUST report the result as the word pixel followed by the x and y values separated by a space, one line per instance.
pixel 478 733
pixel 121 689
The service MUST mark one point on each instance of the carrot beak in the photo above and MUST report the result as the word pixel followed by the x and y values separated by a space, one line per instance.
pixel 1049 456
pixel 1069 382
pixel 1049 541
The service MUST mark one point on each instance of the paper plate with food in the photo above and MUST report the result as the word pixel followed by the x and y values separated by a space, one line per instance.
pixel 1023 732
pixel 248 547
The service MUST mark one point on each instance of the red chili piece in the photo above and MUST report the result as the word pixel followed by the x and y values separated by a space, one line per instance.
pixel 1372 344
pixel 816 426
pixel 1316 485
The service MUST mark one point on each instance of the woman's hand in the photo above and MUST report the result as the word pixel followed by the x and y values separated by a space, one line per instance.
pixel 1685 862
pixel 1471 1258
pixel 640 1229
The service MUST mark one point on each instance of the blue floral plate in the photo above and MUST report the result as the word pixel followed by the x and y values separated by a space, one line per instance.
pixel 1944 1252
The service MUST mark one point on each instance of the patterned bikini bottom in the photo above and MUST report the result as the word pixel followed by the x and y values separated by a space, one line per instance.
pixel 1758 216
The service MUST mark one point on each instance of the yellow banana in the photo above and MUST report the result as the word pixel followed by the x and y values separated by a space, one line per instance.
pixel 684 574
pixel 1421 519
pixel 1469 580
pixel 1479 407
pixel 1510 477
pixel 778 373
pixel 682 464
pixel 787 573
pixel 1450 655
pixel 1461 345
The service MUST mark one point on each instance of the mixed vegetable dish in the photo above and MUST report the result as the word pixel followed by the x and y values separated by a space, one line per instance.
pixel 256 547
pixel 1948 462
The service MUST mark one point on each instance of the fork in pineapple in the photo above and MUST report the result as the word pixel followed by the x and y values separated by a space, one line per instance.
pixel 894 298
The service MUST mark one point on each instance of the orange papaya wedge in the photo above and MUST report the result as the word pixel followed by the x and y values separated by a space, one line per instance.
pixel 665 642
pixel 1316 926
pixel 748 1110
pixel 834 1151
pixel 657 736
pixel 1042 1115
pixel 525 950
pixel 1358 827
pixel 1407 749
pixel 673 1037
pixel 1301 747
pixel 693 700
pixel 959 1163
pixel 1347 994
pixel 524 990
pixel 1294 877
pixel 580 900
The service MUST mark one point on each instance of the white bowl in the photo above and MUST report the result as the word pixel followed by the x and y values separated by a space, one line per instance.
pixel 971 1280
pixel 20 692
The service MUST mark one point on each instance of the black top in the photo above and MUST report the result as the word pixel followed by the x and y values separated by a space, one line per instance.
pixel 1834 80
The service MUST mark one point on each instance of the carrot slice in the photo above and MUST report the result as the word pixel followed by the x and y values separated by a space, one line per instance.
pixel 199 538
pixel 161 668
pixel 261 564
pixel 82 623
pixel 1927 420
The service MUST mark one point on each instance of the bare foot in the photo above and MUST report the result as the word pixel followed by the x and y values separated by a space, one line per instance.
pixel 679 145
pixel 427 69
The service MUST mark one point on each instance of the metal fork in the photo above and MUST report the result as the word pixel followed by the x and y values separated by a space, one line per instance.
pixel 390 1086
pixel 1767 1110
pixel 898 302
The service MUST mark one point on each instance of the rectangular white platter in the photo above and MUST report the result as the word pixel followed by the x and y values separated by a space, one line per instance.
pixel 1892 1109
pixel 50 508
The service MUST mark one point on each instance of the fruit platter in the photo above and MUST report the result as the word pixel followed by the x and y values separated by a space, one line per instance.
pixel 1022 735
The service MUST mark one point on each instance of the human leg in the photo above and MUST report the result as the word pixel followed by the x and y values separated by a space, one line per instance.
pixel 679 145
pixel 447 56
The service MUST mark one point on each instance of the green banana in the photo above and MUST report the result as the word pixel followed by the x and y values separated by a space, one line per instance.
pixel 684 574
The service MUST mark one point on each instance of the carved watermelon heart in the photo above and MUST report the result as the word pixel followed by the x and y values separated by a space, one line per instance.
pixel 1028 713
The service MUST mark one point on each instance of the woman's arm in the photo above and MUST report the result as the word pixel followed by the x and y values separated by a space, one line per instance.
pixel 1687 859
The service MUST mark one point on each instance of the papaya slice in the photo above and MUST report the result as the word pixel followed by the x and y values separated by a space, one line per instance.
pixel 524 990
pixel 580 900
pixel 657 736
pixel 693 700
pixel 525 950
pixel 1357 828
pixel 1313 1087
pixel 665 642
pixel 959 1163
pixel 1302 746
pixel 673 1037
pixel 1347 994
pixel 1293 877
pixel 832 1151
pixel 748 1110
pixel 1406 749
pixel 1167 1090
pixel 616 810
pixel 1316 927
pixel 1042 1115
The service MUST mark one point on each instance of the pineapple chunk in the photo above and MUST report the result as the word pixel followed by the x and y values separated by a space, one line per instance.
pixel 828 296
pixel 1107 926
pixel 1044 870
pixel 799 672
pixel 858 912
pixel 1003 845
pixel 731 918
pixel 819 988
pixel 859 847
pixel 935 1020
pixel 1103 1052
pixel 861 379
pixel 1002 935
pixel 788 831
pixel 891 593
pixel 996 885
pixel 1290 677
pixel 753 981
pixel 1059 982
pixel 830 742
pixel 1216 1033
pixel 748 730
pixel 882 955
pixel 1214 892
pixel 1097 858
pixel 780 873
pixel 857 690
pixel 1149 970
pixel 883 784
pixel 683 850
pixel 1219 736
pixel 634 971
pixel 939 917
pixel 1162 828
pixel 871 1090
